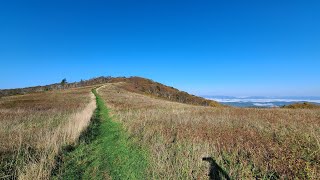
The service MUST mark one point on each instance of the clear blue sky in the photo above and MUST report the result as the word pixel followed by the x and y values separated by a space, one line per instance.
pixel 216 47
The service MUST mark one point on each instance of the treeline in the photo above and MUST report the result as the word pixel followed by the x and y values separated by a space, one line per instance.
pixel 133 84
pixel 57 86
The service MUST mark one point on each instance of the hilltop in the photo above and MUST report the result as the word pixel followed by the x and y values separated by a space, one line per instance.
pixel 148 87
pixel 133 84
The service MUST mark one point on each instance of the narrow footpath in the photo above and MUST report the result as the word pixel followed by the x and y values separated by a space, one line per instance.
pixel 104 151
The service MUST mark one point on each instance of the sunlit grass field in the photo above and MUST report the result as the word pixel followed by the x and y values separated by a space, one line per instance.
pixel 170 140
pixel 34 127
pixel 243 143
pixel 104 151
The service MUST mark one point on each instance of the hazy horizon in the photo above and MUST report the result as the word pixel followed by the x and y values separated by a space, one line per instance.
pixel 263 101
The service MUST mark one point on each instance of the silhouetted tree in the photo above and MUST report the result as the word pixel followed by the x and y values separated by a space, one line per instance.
pixel 64 82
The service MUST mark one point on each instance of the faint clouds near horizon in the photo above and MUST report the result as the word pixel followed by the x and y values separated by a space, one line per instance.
pixel 262 101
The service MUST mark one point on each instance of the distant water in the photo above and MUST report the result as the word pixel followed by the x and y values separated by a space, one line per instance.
pixel 260 101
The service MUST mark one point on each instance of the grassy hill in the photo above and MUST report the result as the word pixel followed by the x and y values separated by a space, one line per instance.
pixel 155 89
pixel 56 86
pixel 56 132
pixel 244 143
pixel 132 84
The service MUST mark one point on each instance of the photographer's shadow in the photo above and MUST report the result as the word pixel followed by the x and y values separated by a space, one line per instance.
pixel 215 171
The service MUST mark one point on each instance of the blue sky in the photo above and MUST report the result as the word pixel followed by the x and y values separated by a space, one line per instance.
pixel 250 47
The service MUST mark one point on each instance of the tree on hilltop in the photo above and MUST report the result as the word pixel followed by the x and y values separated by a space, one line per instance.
pixel 64 82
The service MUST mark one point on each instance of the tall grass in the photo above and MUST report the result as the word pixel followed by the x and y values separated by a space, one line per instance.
pixel 108 153
pixel 34 127
pixel 240 143
pixel 244 143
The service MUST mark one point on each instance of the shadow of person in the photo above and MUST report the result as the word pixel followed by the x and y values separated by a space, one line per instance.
pixel 215 171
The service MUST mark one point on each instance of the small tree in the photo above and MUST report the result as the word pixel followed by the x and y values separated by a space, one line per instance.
pixel 64 82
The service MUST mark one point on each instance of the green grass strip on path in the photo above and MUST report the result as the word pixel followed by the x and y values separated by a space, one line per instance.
pixel 104 151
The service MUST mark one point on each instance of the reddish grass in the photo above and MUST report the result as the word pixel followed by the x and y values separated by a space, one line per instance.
pixel 247 143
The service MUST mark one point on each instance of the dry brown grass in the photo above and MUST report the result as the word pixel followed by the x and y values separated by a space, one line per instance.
pixel 304 105
pixel 150 88
pixel 247 143
pixel 34 127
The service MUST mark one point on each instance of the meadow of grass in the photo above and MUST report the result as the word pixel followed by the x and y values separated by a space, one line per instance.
pixel 34 128
pixel 244 143
pixel 45 135
pixel 104 152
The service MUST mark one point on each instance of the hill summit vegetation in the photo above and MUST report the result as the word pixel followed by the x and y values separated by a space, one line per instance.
pixel 133 84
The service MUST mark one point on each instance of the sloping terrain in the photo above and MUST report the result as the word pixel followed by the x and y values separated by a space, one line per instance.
pixel 56 86
pixel 133 84
pixel 239 143
pixel 145 129
pixel 151 88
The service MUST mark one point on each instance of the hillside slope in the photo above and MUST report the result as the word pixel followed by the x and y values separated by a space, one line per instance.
pixel 242 143
pixel 133 84
pixel 155 89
